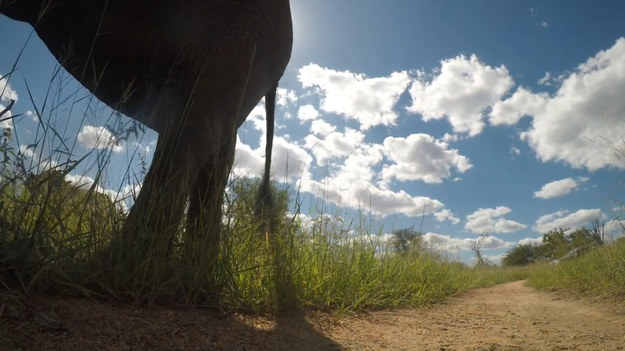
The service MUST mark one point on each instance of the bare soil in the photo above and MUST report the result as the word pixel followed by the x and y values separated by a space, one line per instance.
pixel 510 316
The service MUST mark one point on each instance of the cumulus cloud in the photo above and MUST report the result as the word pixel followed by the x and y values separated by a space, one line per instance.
pixel 614 228
pixel 490 242
pixel 307 113
pixel 285 97
pixel 584 119
pixel 522 102
pixel 117 197
pixel 445 243
pixel 6 95
pixel 248 162
pixel 370 101
pixel 556 188
pixel 531 241
pixel 321 127
pixel 335 145
pixel 421 157
pixel 461 91
pixel 490 220
pixel 349 160
pixel 92 137
pixel 446 215
pixel 289 162
pixel 549 79
pixel 353 185
pixel 564 219
pixel 6 92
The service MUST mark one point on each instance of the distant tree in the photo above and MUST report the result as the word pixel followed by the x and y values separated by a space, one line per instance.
pixel 556 243
pixel 522 255
pixel 583 239
pixel 407 240
pixel 477 245
pixel 597 231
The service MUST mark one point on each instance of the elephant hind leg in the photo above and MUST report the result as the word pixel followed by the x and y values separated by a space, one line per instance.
pixel 203 236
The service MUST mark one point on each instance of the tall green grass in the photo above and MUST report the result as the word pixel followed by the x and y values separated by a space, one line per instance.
pixel 599 273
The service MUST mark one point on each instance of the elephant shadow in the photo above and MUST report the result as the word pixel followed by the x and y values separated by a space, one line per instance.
pixel 294 332
pixel 81 324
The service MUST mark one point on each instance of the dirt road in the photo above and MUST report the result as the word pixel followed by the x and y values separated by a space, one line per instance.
pixel 505 317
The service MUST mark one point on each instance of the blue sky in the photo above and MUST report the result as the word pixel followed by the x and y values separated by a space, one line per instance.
pixel 491 117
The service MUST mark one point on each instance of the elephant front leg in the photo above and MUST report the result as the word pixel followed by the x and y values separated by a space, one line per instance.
pixel 149 232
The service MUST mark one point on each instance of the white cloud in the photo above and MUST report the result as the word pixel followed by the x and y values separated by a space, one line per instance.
pixel 85 182
pixel 585 118
pixel 335 146
pixel 531 241
pixel 489 220
pixel 446 214
pixel 490 242
pixel 421 157
pixel 307 113
pixel 32 115
pixel 351 180
pixel 522 102
pixel 461 91
pixel 549 79
pixel 257 118
pixel 614 228
pixel 285 97
pixel 556 188
pixel 370 101
pixel 6 95
pixel 81 181
pixel 247 161
pixel 352 187
pixel 6 92
pixel 290 162
pixel 92 137
pixel 321 127
pixel 445 243
pixel 5 120
pixel 562 219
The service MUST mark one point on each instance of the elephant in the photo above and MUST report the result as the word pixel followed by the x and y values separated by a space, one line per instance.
pixel 192 70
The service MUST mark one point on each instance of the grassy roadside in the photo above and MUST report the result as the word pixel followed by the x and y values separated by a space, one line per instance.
pixel 56 235
pixel 599 273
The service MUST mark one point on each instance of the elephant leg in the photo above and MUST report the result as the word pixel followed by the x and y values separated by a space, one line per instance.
pixel 155 218
pixel 206 190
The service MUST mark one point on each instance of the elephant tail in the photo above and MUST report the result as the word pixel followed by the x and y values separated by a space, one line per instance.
pixel 264 201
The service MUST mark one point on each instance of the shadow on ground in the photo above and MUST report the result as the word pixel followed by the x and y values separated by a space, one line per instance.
pixel 79 324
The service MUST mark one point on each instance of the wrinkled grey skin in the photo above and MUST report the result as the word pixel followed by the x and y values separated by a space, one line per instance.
pixel 192 70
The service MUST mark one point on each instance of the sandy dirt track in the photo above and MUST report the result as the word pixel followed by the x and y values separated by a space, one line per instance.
pixel 505 317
